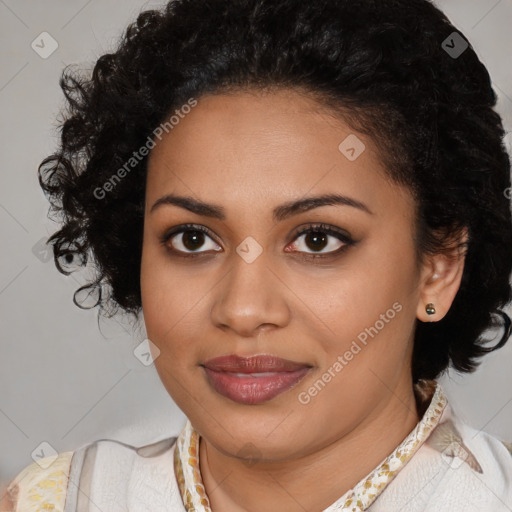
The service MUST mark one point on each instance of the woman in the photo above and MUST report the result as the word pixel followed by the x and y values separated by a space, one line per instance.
pixel 308 203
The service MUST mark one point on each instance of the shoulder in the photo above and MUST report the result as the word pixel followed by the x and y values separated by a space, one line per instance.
pixel 494 453
pixel 43 485
pixel 40 486
pixel 479 470
pixel 498 459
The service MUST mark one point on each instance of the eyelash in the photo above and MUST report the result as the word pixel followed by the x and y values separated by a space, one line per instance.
pixel 311 228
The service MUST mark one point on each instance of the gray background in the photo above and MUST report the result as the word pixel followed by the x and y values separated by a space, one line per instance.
pixel 63 380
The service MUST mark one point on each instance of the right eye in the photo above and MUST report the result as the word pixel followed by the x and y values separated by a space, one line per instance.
pixel 187 239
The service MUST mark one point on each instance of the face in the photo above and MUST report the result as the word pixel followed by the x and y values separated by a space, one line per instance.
pixel 243 277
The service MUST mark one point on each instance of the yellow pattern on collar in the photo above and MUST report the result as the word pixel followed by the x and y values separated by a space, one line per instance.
pixel 42 485
pixel 188 474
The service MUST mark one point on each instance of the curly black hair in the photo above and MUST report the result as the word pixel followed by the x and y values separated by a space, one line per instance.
pixel 386 66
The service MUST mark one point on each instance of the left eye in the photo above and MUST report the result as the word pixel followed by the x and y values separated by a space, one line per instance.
pixel 318 238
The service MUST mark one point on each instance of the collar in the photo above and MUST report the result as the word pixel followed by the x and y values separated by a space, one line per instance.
pixel 360 497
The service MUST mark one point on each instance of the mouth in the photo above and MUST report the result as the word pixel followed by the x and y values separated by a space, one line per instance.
pixel 253 380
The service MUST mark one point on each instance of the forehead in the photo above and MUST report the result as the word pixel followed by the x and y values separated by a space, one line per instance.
pixel 251 118
pixel 273 146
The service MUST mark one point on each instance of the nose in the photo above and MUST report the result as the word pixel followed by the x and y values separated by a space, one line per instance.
pixel 251 298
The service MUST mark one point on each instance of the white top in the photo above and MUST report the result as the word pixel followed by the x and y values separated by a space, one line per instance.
pixel 443 465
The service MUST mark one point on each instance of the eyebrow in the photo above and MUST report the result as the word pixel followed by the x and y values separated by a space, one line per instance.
pixel 279 213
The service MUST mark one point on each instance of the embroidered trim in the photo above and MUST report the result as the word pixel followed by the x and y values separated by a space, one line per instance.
pixel 188 474
pixel 358 499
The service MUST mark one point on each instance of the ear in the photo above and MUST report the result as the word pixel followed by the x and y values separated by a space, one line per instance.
pixel 441 275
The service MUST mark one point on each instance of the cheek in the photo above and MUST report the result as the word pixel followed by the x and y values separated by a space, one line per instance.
pixel 373 300
pixel 357 294
pixel 170 324
pixel 172 303
pixel 159 299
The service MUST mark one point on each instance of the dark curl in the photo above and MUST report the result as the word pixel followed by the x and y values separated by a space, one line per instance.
pixel 379 64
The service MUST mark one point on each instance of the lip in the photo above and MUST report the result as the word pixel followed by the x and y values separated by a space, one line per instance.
pixel 253 380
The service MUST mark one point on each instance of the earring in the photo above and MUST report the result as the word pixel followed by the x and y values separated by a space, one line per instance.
pixel 430 309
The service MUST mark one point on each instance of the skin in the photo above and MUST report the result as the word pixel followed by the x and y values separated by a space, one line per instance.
pixel 250 152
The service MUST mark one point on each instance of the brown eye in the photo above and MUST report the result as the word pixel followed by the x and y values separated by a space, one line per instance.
pixel 188 240
pixel 316 238
pixel 192 240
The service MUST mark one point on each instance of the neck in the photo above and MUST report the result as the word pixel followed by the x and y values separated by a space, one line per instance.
pixel 311 482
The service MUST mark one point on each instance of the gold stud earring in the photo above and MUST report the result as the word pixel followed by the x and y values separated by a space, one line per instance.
pixel 430 309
